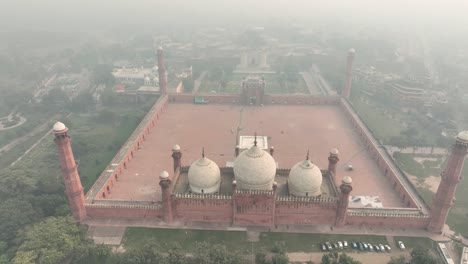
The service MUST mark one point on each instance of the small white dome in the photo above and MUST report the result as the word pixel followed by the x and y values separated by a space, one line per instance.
pixel 334 151
pixel 255 169
pixel 305 179
pixel 164 175
pixel 347 180
pixel 463 136
pixel 176 147
pixel 59 126
pixel 352 51
pixel 204 176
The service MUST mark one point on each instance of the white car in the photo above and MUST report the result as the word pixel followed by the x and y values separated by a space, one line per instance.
pixel 401 245
pixel 340 245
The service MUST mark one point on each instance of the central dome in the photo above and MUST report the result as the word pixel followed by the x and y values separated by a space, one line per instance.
pixel 305 179
pixel 255 169
pixel 204 176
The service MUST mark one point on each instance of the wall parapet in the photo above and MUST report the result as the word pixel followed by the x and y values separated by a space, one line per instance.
pixel 202 196
pixel 268 192
pixel 119 157
pixel 124 204
pixel 387 212
pixel 383 155
pixel 306 199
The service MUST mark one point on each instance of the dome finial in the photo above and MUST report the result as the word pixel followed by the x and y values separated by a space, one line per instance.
pixel 255 139
pixel 307 156
pixel 203 152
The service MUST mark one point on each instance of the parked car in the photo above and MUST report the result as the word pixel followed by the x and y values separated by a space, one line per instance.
pixel 324 247
pixel 345 244
pixel 335 246
pixel 340 244
pixel 371 248
pixel 366 247
pixel 388 248
pixel 329 246
pixel 401 245
pixel 382 248
pixel 376 248
pixel 354 245
pixel 361 246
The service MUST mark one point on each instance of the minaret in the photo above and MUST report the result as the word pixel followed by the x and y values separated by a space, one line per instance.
pixel 443 199
pixel 73 187
pixel 345 190
pixel 176 156
pixel 162 72
pixel 349 74
pixel 166 193
pixel 333 160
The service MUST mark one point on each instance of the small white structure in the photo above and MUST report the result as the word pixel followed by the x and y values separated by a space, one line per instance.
pixel 245 142
pixel 365 202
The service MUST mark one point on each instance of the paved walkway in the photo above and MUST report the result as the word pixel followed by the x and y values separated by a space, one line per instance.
pixel 315 229
pixel 109 235
pixel 417 150
pixel 311 84
pixel 198 81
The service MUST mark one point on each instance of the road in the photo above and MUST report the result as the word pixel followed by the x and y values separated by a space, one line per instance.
pixel 22 139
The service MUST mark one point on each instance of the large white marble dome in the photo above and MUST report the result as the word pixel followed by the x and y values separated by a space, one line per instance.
pixel 204 176
pixel 255 169
pixel 305 179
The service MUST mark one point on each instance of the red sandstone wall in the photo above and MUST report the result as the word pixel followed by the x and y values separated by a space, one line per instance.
pixel 390 173
pixel 111 174
pixel 398 222
pixel 123 213
pixel 207 210
pixel 267 99
pixel 301 213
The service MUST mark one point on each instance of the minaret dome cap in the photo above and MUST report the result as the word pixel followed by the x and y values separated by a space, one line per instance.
pixel 347 180
pixel 164 175
pixel 463 136
pixel 59 127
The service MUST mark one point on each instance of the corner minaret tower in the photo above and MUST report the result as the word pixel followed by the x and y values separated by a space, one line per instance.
pixel 349 74
pixel 345 190
pixel 73 187
pixel 162 71
pixel 166 193
pixel 444 197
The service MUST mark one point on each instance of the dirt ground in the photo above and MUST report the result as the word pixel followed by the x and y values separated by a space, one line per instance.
pixel 431 182
pixel 364 258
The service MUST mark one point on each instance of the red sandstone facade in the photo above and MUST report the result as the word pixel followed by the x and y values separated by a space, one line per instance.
pixel 234 207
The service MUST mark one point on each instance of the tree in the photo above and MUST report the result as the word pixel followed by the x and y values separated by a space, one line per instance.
pixel 422 256
pixel 336 258
pixel 399 260
pixel 176 256
pixel 50 241
pixel 260 257
pixel 14 215
pixel 89 253
pixel 214 254
pixel 280 259
pixel 103 74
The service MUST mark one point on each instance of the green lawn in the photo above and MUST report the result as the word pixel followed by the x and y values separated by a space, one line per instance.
pixel 163 239
pixel 411 166
pixel 415 242
pixel 381 125
pixel 272 85
pixel 94 142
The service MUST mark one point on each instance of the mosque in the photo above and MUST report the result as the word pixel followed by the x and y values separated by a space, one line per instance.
pixel 249 182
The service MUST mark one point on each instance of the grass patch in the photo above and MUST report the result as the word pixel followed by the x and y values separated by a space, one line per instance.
pixel 163 239
pixel 426 194
pixel 381 125
pixel 414 242
pixel 408 164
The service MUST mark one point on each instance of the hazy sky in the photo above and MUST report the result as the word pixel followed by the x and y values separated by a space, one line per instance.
pixel 85 14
